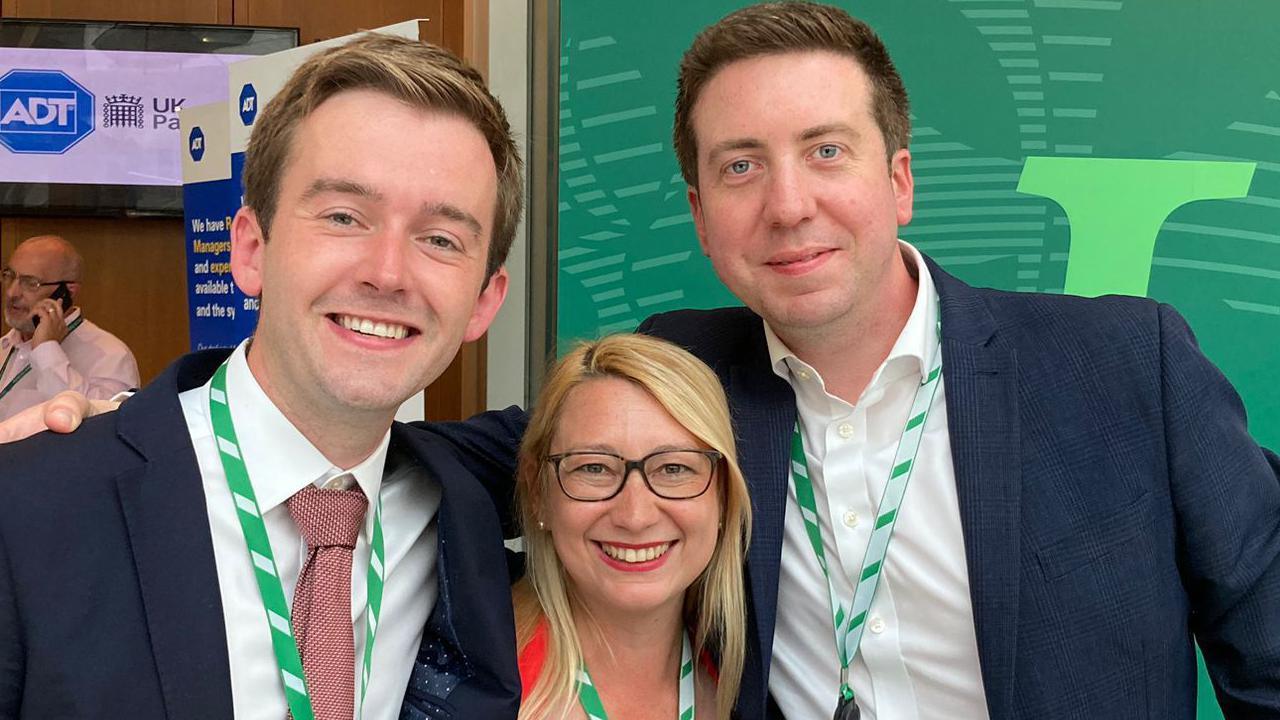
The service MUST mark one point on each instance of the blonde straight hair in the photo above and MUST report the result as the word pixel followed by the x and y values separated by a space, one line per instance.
pixel 714 605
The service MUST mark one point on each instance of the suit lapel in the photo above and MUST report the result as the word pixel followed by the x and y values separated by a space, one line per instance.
pixel 980 378
pixel 164 509
pixel 764 411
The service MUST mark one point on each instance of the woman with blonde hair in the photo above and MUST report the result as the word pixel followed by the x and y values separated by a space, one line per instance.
pixel 635 519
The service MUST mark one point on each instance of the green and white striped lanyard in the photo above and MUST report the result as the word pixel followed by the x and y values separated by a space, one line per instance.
pixel 70 329
pixel 850 622
pixel 594 707
pixel 264 564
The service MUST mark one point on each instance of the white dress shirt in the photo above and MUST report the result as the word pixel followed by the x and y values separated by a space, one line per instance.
pixel 919 654
pixel 90 361
pixel 281 461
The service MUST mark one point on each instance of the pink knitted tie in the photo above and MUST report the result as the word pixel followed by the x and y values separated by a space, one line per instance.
pixel 330 522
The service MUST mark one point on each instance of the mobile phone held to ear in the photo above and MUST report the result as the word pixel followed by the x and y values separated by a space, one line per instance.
pixel 61 294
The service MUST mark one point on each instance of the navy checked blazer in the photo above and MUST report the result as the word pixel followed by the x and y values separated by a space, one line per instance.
pixel 1113 503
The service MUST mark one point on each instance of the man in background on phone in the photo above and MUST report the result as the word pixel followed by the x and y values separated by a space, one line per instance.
pixel 50 346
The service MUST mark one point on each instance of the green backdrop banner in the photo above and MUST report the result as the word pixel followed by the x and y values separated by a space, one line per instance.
pixel 1082 146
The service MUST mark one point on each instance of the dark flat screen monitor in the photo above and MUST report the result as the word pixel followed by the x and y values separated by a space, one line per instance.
pixel 89 110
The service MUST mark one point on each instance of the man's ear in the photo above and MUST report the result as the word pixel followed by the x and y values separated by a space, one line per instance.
pixel 248 242
pixel 487 305
pixel 699 222
pixel 904 187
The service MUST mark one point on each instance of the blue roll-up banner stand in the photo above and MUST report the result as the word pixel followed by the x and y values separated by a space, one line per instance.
pixel 220 314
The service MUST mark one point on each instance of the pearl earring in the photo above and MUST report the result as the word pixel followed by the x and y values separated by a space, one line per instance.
pixel 542 525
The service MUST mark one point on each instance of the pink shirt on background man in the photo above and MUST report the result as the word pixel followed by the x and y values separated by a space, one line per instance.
pixel 90 360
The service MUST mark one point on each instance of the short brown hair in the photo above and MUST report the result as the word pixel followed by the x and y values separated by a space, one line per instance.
pixel 782 27
pixel 416 73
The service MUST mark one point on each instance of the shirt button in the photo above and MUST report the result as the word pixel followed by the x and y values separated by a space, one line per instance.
pixel 339 482
pixel 876 625
pixel 845 430
pixel 803 374
pixel 850 519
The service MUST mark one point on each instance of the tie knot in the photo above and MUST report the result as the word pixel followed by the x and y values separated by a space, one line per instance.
pixel 328 518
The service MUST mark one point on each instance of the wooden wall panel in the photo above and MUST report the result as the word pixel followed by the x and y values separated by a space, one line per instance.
pixel 325 19
pixel 191 11
pixel 135 279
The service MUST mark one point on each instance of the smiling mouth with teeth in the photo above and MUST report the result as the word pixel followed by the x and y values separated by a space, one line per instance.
pixel 365 326
pixel 635 555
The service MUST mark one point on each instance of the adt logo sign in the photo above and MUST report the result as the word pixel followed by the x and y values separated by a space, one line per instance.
pixel 248 104
pixel 195 143
pixel 43 111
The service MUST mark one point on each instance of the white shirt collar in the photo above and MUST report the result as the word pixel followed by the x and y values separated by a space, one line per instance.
pixel 917 341
pixel 280 460
pixel 14 339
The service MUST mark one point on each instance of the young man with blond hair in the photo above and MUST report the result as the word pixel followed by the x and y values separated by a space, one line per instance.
pixel 251 535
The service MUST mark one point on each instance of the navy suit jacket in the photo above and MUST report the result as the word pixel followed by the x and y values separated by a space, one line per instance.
pixel 109 602
pixel 1113 503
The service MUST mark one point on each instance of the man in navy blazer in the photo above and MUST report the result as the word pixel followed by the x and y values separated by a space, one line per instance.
pixel 376 249
pixel 109 598
pixel 1100 503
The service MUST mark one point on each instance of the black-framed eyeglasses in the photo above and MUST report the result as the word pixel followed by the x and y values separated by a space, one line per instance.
pixel 669 474
pixel 30 283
